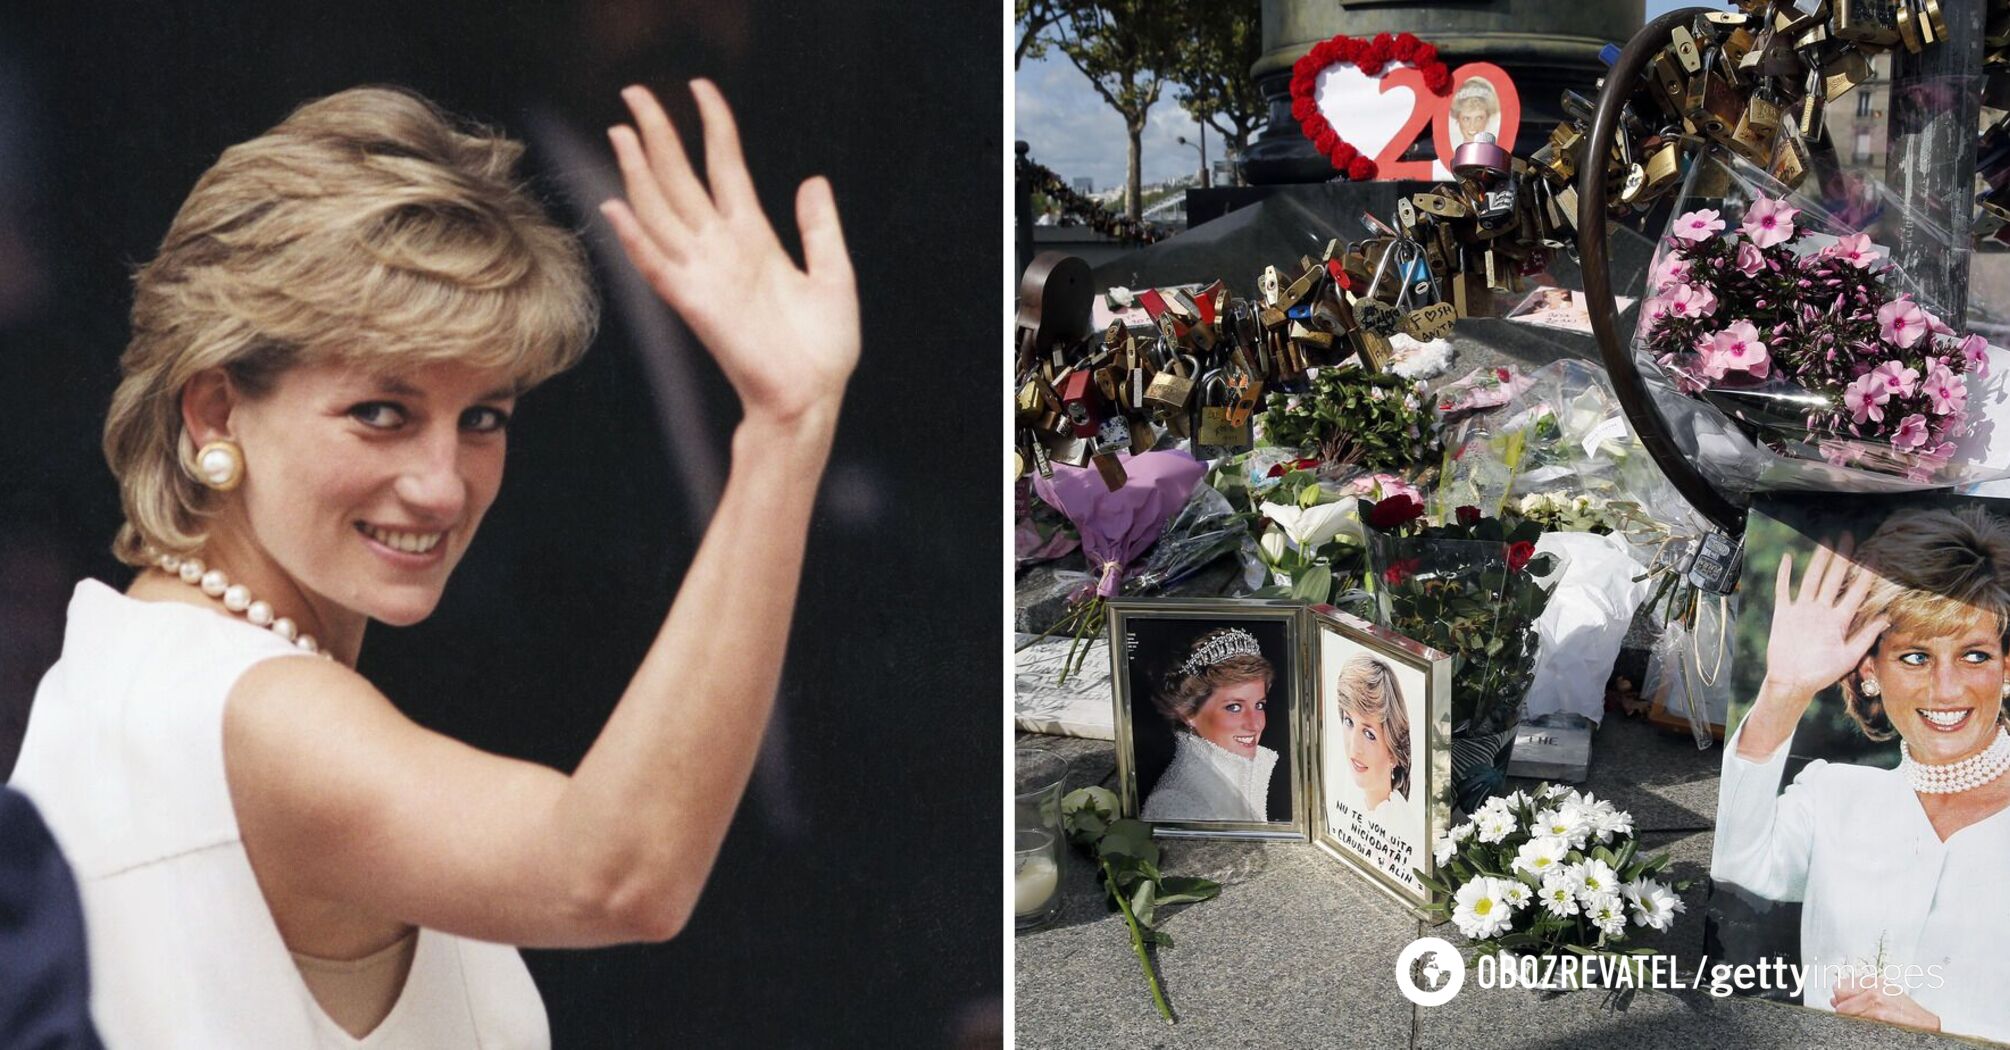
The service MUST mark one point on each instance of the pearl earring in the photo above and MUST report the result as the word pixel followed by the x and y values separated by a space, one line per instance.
pixel 220 465
pixel 2006 689
pixel 1870 687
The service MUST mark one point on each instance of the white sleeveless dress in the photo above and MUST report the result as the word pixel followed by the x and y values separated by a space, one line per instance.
pixel 124 756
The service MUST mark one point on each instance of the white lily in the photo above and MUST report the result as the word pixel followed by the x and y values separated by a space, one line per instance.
pixel 1309 528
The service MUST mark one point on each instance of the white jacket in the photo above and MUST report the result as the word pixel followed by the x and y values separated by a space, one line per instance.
pixel 1209 782
pixel 1876 883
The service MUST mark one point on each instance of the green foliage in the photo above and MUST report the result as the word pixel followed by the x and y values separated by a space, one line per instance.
pixel 1352 417
pixel 1224 41
pixel 1129 859
pixel 1124 47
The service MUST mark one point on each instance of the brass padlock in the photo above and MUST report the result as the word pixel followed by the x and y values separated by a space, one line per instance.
pixel 1663 167
pixel 1908 28
pixel 1668 79
pixel 1426 323
pixel 1216 430
pixel 1790 161
pixel 1171 389
pixel 1749 139
pixel 1031 401
pixel 1843 73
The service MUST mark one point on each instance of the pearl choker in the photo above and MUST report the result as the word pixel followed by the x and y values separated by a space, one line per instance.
pixel 236 598
pixel 1971 772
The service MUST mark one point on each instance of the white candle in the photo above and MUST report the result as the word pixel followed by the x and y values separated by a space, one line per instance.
pixel 1034 885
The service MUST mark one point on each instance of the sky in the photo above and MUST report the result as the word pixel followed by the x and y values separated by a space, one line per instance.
pixel 1069 128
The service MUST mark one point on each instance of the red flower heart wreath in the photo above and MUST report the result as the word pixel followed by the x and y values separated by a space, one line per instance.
pixel 1369 56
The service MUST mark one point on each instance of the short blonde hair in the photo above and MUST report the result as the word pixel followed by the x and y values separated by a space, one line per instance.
pixel 1180 695
pixel 368 227
pixel 1933 571
pixel 1367 687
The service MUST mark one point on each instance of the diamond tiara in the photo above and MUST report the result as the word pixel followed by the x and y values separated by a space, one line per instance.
pixel 1233 642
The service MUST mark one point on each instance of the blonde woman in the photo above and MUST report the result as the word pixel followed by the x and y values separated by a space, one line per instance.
pixel 310 426
pixel 1898 870
pixel 1217 701
pixel 1476 109
pixel 1375 736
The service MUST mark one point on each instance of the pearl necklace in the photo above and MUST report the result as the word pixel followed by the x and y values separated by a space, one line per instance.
pixel 1968 773
pixel 236 598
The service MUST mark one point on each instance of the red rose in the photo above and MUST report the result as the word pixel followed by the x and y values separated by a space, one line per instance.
pixel 1438 79
pixel 1302 109
pixel 1325 140
pixel 1519 554
pixel 1383 43
pixel 1370 64
pixel 1425 54
pixel 1342 154
pixel 1346 49
pixel 1469 515
pixel 1503 375
pixel 1405 48
pixel 1399 509
pixel 1361 170
pixel 1402 570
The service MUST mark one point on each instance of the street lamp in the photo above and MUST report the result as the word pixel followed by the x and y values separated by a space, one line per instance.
pixel 1202 146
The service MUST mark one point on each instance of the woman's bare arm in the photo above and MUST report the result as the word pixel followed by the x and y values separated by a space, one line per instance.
pixel 342 800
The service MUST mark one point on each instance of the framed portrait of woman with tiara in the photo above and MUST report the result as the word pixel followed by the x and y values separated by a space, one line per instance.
pixel 1209 715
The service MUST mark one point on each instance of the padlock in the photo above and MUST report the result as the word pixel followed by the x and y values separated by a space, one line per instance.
pixel 1664 167
pixel 1031 401
pixel 1440 204
pixel 1494 211
pixel 1081 401
pixel 1430 322
pixel 1723 108
pixel 1271 286
pixel 1841 74
pixel 1790 160
pixel 1247 390
pixel 1067 449
pixel 1873 22
pixel 1143 437
pixel 1749 139
pixel 1215 430
pixel 1110 469
pixel 1669 81
pixel 1114 435
pixel 1171 389
pixel 1682 44
pixel 1908 28
pixel 1932 27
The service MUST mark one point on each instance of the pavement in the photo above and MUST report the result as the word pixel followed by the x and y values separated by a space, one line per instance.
pixel 1299 952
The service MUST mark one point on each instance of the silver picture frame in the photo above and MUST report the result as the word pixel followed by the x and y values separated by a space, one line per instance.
pixel 1306 646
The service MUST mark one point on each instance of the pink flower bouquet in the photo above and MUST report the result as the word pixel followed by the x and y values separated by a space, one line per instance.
pixel 1817 351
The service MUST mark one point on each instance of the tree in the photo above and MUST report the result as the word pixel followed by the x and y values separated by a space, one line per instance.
pixel 1032 17
pixel 1223 42
pixel 1125 48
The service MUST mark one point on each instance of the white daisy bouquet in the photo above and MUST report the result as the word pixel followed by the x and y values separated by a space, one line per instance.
pixel 1551 871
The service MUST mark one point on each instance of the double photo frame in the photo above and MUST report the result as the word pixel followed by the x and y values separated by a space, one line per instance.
pixel 1258 718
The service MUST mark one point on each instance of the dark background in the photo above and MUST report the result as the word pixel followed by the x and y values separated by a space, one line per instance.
pixel 856 902
pixel 1159 645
